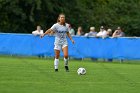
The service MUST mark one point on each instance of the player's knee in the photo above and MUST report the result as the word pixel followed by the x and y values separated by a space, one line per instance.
pixel 66 56
pixel 57 56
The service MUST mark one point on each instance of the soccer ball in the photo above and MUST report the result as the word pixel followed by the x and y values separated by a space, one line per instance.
pixel 81 71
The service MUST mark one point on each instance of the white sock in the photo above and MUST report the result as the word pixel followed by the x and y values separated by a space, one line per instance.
pixel 56 62
pixel 66 61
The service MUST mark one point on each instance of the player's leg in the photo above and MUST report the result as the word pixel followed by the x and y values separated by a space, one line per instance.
pixel 65 51
pixel 57 54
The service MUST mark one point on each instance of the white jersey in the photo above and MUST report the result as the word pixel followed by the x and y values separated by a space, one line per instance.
pixel 36 32
pixel 60 33
pixel 101 33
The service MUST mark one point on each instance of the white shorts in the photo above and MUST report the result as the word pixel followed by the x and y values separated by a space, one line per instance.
pixel 59 47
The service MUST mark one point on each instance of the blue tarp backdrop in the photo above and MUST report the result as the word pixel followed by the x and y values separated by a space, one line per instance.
pixel 84 47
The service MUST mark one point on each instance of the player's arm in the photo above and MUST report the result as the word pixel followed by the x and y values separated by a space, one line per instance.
pixel 47 32
pixel 68 34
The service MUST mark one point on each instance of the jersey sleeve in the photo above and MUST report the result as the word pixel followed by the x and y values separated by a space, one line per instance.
pixel 67 27
pixel 53 28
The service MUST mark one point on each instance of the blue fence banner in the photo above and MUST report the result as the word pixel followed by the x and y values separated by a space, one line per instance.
pixel 84 47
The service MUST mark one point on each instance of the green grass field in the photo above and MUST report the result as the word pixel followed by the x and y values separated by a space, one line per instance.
pixel 32 75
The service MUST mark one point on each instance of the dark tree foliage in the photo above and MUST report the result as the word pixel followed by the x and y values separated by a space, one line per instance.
pixel 22 16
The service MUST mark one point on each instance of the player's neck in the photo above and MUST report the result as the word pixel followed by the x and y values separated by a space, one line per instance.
pixel 62 23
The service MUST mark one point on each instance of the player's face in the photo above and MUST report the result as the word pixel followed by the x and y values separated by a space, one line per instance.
pixel 62 18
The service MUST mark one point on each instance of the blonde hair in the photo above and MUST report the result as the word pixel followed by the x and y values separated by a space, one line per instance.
pixel 92 28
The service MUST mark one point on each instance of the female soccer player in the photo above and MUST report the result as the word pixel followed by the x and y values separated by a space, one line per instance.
pixel 61 31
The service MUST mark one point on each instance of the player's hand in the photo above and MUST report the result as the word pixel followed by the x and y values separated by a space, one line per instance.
pixel 73 41
pixel 42 35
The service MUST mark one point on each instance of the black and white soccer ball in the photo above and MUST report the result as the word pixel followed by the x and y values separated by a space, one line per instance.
pixel 81 71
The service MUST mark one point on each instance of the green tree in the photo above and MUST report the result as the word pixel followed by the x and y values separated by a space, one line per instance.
pixel 22 16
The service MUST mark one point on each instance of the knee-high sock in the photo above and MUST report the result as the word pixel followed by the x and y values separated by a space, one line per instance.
pixel 66 61
pixel 56 62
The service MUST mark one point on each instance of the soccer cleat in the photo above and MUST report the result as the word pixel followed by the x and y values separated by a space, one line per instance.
pixel 67 68
pixel 56 70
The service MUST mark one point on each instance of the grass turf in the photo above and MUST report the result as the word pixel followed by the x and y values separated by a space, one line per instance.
pixel 28 75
